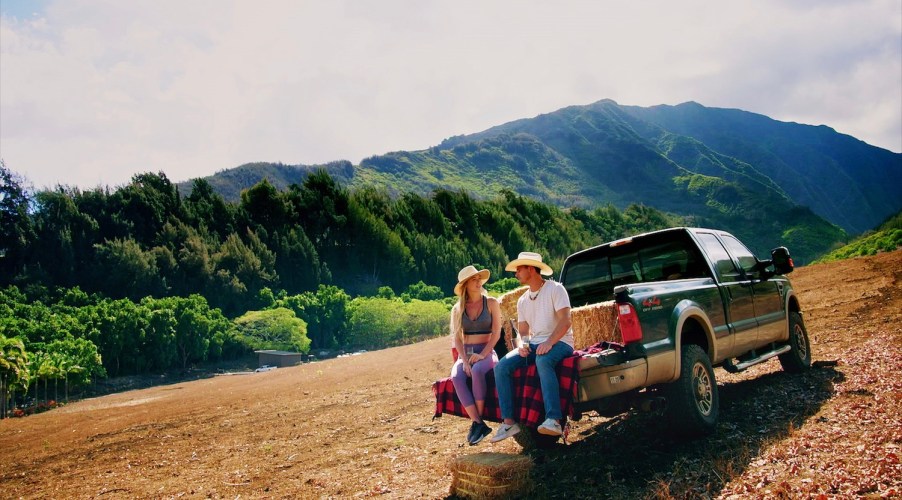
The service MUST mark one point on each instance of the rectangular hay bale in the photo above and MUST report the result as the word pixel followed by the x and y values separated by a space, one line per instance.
pixel 591 323
pixel 508 303
pixel 490 475
pixel 594 323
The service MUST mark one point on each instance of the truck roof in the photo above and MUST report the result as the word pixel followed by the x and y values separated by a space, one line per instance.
pixel 627 239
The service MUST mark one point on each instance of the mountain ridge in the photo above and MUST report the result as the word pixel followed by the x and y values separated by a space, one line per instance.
pixel 708 164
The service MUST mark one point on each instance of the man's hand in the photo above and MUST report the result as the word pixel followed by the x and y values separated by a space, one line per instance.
pixel 523 350
pixel 544 347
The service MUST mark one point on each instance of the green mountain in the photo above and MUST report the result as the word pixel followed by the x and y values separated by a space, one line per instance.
pixel 841 178
pixel 767 181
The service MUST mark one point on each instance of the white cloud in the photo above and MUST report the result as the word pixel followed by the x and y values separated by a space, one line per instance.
pixel 92 92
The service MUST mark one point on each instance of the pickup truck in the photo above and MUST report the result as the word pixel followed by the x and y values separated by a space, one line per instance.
pixel 687 300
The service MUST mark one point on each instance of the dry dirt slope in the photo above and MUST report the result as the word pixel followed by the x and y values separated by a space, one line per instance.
pixel 361 426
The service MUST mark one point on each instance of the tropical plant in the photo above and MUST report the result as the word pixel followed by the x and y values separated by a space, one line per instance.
pixel 13 369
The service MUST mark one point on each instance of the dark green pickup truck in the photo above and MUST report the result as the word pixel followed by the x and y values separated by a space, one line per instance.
pixel 688 300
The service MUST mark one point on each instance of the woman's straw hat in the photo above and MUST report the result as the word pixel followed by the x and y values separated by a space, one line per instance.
pixel 467 273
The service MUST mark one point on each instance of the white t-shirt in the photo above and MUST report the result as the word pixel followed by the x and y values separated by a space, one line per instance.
pixel 537 310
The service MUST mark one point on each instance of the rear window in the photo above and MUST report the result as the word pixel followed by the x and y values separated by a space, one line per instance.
pixel 591 276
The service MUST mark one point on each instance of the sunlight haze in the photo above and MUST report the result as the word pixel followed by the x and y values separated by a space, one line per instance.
pixel 93 92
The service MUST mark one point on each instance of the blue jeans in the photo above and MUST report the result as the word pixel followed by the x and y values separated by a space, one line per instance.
pixel 545 366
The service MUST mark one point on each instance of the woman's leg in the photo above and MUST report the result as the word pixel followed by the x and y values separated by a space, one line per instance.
pixel 478 372
pixel 459 379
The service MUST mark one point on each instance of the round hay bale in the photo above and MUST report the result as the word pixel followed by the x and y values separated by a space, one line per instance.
pixel 490 475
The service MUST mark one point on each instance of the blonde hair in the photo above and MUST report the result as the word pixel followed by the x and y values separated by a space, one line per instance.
pixel 457 314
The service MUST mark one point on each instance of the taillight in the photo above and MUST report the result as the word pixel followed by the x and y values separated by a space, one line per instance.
pixel 629 323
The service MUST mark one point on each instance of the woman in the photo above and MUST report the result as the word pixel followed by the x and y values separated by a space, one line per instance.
pixel 475 328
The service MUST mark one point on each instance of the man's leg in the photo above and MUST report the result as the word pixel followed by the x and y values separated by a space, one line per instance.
pixel 545 366
pixel 504 382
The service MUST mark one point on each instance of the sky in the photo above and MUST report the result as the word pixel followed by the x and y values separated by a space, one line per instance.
pixel 93 92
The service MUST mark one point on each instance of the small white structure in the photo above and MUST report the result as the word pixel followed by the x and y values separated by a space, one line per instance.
pixel 279 359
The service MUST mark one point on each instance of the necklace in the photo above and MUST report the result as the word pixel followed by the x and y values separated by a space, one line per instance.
pixel 533 296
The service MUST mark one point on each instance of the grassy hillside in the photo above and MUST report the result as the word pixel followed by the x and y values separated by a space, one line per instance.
pixel 886 238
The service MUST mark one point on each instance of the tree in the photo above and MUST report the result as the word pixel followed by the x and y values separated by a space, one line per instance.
pixel 13 369
pixel 297 262
pixel 375 323
pixel 422 291
pixel 128 271
pixel 16 230
pixel 206 210
pixel 119 333
pixel 277 329
pixel 325 313
pixel 65 239
pixel 146 204
pixel 265 206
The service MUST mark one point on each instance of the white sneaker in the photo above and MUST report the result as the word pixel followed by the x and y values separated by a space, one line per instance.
pixel 550 427
pixel 505 431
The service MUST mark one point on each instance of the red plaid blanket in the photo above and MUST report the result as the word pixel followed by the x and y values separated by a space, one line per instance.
pixel 528 402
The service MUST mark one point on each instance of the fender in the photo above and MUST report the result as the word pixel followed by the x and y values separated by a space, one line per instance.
pixel 667 365
pixel 788 307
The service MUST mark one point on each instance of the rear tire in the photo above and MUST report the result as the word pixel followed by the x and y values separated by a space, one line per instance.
pixel 798 359
pixel 693 403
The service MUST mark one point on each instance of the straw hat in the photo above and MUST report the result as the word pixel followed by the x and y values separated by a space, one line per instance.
pixel 467 273
pixel 530 259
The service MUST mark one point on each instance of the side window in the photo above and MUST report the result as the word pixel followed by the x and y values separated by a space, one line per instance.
pixel 723 264
pixel 746 259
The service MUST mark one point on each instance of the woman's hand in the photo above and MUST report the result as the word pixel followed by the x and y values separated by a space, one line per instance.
pixel 475 358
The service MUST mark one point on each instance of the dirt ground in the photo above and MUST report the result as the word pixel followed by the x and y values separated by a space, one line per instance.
pixel 362 426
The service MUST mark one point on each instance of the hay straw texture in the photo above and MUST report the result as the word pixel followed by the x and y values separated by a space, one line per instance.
pixel 490 475
pixel 508 303
pixel 592 323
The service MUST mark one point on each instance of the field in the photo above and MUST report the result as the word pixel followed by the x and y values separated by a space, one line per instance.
pixel 361 426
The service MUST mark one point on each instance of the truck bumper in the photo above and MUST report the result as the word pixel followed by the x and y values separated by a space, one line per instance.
pixel 597 379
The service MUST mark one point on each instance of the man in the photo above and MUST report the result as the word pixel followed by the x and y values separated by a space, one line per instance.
pixel 543 319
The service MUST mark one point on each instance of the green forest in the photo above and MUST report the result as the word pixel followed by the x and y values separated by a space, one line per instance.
pixel 140 279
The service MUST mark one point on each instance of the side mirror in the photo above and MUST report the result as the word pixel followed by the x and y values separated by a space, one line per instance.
pixel 781 260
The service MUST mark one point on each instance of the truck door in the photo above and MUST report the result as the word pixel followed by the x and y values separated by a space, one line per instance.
pixel 737 295
pixel 768 296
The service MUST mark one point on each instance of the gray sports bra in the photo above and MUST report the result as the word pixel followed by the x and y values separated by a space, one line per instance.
pixel 481 325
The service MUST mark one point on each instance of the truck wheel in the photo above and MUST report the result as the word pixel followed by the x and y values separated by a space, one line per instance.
pixel 529 438
pixel 692 401
pixel 798 358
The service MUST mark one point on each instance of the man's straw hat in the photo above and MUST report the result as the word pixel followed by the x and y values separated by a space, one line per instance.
pixel 530 259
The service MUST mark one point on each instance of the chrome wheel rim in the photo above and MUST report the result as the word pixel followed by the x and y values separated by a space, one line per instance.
pixel 704 392
pixel 801 341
